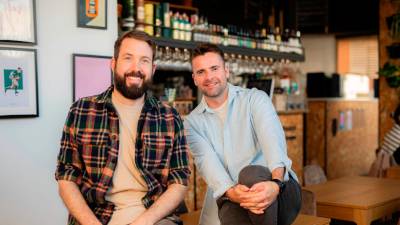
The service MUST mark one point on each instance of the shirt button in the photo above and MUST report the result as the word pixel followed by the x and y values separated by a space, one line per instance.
pixel 114 137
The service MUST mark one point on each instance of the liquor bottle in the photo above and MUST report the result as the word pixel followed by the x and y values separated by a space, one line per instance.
pixel 285 36
pixel 292 38
pixel 194 21
pixel 277 34
pixel 225 37
pixel 140 15
pixel 206 29
pixel 298 38
pixel 128 21
pixel 264 41
pixel 166 20
pixel 148 18
pixel 175 26
pixel 197 29
pixel 182 32
pixel 187 27
pixel 158 20
pixel 271 40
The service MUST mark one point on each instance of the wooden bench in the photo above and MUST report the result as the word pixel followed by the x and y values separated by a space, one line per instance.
pixel 193 219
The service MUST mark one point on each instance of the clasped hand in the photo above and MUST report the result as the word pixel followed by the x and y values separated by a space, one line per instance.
pixel 257 198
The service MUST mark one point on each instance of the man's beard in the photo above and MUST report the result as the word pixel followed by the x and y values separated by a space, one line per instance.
pixel 134 91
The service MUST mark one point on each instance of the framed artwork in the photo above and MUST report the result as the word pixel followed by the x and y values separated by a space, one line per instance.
pixel 18 83
pixel 92 14
pixel 92 75
pixel 17 22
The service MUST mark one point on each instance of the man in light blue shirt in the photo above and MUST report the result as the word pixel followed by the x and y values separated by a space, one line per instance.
pixel 239 149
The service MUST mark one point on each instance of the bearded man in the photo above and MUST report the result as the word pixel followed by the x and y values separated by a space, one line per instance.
pixel 124 157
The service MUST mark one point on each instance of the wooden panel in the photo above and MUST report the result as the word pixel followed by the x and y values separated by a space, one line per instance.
pixel 388 97
pixel 293 127
pixel 201 189
pixel 315 140
pixel 190 195
pixel 197 189
pixel 351 151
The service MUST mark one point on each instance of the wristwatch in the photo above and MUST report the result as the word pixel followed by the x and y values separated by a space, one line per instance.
pixel 281 184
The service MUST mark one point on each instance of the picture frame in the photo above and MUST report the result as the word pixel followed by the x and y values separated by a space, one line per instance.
pixel 92 14
pixel 19 25
pixel 18 83
pixel 85 69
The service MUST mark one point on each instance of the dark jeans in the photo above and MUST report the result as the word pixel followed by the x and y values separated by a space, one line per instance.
pixel 280 212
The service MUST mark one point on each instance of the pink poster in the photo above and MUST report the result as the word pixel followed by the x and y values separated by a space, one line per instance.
pixel 92 75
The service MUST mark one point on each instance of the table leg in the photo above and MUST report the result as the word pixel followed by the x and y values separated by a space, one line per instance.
pixel 362 217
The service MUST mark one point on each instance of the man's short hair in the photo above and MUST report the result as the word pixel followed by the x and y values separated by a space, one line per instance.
pixel 204 48
pixel 135 34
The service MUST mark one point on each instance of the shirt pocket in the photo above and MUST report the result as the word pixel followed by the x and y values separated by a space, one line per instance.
pixel 93 148
pixel 157 150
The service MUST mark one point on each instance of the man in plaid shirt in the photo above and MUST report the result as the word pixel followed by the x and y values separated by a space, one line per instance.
pixel 123 156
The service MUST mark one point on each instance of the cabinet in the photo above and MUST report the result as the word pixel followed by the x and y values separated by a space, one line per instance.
pixel 342 135
pixel 292 124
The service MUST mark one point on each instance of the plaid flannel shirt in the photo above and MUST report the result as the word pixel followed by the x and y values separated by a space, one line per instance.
pixel 89 150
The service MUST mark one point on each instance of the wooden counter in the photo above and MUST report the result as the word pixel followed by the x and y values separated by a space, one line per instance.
pixel 293 126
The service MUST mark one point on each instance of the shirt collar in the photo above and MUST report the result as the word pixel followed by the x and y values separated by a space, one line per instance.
pixel 232 90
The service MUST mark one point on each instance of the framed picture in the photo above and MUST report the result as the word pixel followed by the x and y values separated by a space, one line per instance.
pixel 92 75
pixel 18 83
pixel 92 14
pixel 17 22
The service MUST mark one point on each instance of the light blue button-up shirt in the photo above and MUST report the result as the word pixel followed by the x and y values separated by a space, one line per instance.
pixel 252 135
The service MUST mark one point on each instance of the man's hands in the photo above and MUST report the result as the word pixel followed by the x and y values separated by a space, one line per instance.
pixel 163 206
pixel 237 193
pixel 257 198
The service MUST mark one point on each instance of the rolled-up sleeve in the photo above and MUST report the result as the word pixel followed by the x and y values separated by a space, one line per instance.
pixel 207 161
pixel 179 171
pixel 69 164
pixel 269 132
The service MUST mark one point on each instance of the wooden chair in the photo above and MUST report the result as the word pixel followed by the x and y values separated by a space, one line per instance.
pixel 191 218
pixel 313 174
pixel 308 203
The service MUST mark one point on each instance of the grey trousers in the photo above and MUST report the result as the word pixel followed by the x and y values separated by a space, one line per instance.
pixel 281 212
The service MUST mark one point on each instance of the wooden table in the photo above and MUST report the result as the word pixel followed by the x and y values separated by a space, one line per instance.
pixel 358 199
pixel 393 172
pixel 310 220
pixel 193 219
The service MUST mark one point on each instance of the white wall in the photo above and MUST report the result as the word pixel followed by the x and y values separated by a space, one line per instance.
pixel 29 146
pixel 320 51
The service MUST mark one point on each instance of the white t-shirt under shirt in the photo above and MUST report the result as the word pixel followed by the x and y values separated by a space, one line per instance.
pixel 221 112
pixel 128 186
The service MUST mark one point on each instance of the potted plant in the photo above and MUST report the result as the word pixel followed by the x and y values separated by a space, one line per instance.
pixel 391 73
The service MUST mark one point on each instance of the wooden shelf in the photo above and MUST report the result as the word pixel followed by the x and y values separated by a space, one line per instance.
pixel 166 42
